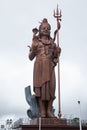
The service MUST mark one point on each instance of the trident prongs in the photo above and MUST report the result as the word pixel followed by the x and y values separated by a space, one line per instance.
pixel 57 14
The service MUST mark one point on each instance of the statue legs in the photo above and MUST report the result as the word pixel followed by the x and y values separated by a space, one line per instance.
pixel 46 108
pixel 42 108
pixel 49 109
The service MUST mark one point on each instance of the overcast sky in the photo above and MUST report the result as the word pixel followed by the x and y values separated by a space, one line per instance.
pixel 17 19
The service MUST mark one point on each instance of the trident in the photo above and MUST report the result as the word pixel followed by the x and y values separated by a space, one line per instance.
pixel 57 15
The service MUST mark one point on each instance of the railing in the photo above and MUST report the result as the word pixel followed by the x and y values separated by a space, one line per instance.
pixel 75 122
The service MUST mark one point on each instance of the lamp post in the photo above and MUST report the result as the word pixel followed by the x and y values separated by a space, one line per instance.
pixel 80 124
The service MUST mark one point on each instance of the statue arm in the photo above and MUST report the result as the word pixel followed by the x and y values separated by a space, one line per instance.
pixel 34 48
pixel 32 52
pixel 31 55
pixel 57 51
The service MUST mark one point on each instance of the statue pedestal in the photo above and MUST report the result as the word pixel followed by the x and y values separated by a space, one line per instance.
pixel 48 121
pixel 47 124
pixel 43 124
pixel 50 127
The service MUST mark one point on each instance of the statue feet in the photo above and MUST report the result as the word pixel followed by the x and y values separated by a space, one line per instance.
pixel 43 114
pixel 50 115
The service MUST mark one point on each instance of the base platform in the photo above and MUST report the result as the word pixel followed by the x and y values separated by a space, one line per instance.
pixel 48 124
pixel 48 121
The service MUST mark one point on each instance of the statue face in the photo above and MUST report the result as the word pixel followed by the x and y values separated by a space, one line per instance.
pixel 45 29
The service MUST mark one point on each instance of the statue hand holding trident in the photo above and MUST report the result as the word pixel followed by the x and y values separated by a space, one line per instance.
pixel 58 16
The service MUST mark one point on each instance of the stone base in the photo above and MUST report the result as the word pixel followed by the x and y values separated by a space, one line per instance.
pixel 48 121
pixel 46 124
pixel 50 127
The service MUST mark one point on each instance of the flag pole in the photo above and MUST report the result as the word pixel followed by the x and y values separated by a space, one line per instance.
pixel 58 15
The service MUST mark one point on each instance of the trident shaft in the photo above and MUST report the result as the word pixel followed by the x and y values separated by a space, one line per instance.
pixel 57 15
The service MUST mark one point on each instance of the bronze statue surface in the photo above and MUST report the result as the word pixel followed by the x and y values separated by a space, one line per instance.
pixel 46 54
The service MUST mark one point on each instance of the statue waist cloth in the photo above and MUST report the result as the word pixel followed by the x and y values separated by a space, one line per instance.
pixel 43 58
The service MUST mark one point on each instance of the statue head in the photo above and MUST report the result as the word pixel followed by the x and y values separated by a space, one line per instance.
pixel 44 28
